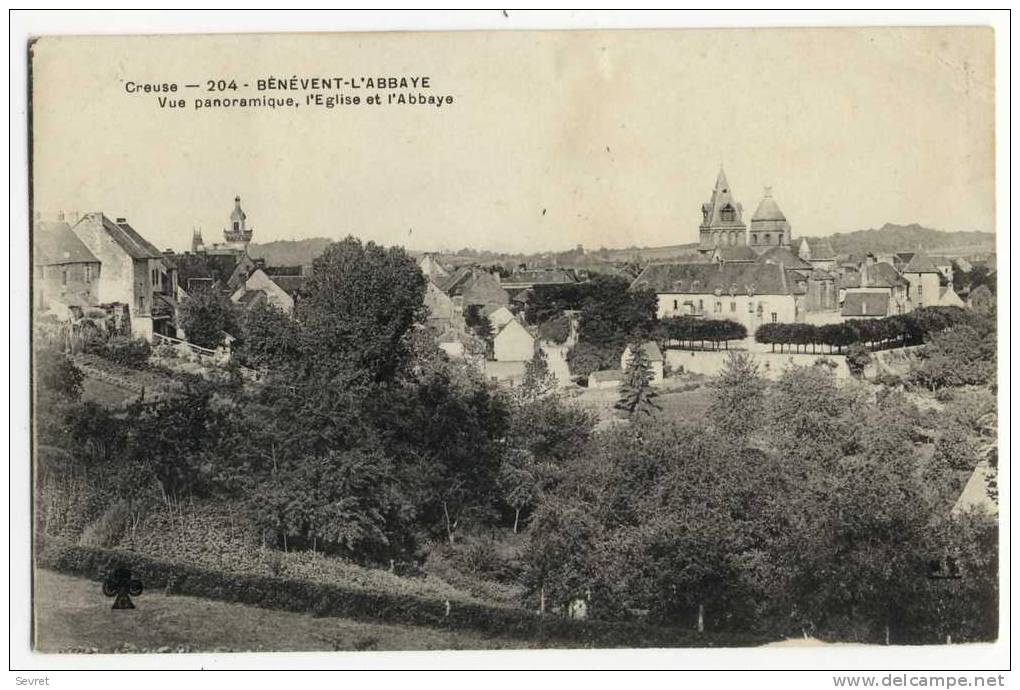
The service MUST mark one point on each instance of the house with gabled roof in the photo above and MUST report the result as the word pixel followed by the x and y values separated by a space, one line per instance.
pixel 872 276
pixel 470 285
pixel 513 343
pixel 131 268
pixel 817 251
pixel 65 273
pixel 654 356
pixel 923 279
pixel 260 288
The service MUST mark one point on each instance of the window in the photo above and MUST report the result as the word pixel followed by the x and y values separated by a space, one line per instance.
pixel 733 306
pixel 750 307
pixel 768 238
pixel 141 304
pixel 775 317
pixel 88 274
pixel 727 214
pixel 718 306
pixel 701 305
pixel 676 305
pixel 754 238
pixel 63 276
pixel 237 226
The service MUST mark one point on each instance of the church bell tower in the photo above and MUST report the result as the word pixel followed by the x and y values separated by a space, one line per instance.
pixel 722 223
pixel 237 234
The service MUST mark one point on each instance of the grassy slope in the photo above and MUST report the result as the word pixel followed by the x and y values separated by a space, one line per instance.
pixel 72 615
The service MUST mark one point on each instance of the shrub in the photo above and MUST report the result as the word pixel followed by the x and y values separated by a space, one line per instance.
pixel 165 350
pixel 128 352
pixel 339 600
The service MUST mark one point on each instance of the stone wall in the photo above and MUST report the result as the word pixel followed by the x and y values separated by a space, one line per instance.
pixel 770 364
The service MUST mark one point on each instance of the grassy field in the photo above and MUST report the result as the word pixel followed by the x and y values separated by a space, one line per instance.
pixel 73 616
pixel 676 404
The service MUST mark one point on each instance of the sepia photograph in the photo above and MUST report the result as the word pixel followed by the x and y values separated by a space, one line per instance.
pixel 617 338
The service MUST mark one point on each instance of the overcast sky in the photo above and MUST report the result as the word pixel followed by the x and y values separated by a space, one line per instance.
pixel 617 136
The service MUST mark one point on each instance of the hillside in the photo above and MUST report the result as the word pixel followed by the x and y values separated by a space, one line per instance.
pixel 888 238
pixel 289 252
pixel 894 238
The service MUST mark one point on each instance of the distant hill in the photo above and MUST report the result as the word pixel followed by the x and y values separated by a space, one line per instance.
pixel 289 252
pixel 904 238
pixel 884 240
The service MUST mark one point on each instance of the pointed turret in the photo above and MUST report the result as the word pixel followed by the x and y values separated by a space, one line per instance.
pixel 722 223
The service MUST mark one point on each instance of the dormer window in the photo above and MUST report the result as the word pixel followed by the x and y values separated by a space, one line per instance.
pixel 727 214
pixel 237 226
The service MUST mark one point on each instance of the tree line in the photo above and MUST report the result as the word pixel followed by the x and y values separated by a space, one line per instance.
pixel 899 330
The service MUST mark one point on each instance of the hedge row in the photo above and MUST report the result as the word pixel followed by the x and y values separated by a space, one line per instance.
pixel 899 330
pixel 336 600
pixel 688 329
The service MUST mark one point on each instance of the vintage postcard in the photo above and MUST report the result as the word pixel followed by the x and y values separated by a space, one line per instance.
pixel 676 338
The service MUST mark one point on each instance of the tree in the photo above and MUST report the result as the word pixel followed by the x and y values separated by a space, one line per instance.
pixel 957 356
pixel 445 430
pixel 538 380
pixel 585 358
pixel 360 304
pixel 269 338
pixel 738 403
pixel 205 315
pixel 56 374
pixel 611 312
pixel 858 357
pixel 478 323
pixel 982 301
pixel 518 483
pixel 636 391
pixel 338 501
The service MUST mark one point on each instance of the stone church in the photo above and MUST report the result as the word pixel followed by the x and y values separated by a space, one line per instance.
pixel 723 224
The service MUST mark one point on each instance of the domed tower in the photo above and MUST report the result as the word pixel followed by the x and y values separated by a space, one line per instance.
pixel 722 223
pixel 769 227
pixel 238 235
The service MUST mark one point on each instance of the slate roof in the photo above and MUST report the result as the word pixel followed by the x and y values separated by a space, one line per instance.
pixel 736 254
pixel 541 276
pixel 283 270
pixel 768 209
pixel 721 198
pixel 54 244
pixel 701 278
pixel 881 275
pixel 783 255
pixel 866 304
pixel 290 284
pixel 920 263
pixel 820 249
pixel 133 244
pixel 652 351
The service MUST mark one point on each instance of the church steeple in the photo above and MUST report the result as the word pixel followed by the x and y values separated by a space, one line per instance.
pixel 238 235
pixel 722 223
